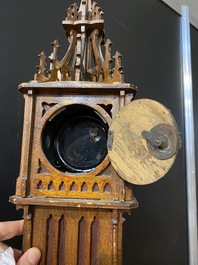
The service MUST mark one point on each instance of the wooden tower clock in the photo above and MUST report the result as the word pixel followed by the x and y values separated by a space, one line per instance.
pixel 84 142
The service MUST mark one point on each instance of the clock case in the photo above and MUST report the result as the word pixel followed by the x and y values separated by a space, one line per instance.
pixel 69 184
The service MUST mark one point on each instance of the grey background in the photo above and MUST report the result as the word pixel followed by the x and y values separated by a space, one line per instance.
pixel 193 8
pixel 147 34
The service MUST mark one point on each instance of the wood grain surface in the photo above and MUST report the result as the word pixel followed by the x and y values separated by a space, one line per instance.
pixel 130 155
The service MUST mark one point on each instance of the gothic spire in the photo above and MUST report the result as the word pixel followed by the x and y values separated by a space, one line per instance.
pixel 84 60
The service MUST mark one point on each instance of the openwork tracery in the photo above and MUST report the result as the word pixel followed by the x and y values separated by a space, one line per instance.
pixel 84 59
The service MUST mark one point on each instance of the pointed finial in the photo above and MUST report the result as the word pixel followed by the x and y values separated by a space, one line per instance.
pixel 84 60
pixel 85 8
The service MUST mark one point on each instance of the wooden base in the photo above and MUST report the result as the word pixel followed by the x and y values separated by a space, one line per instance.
pixel 75 235
pixel 70 237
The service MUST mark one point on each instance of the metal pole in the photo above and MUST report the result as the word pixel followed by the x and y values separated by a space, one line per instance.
pixel 189 138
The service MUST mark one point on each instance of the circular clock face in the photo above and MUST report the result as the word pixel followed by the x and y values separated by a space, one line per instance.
pixel 76 139
pixel 81 143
